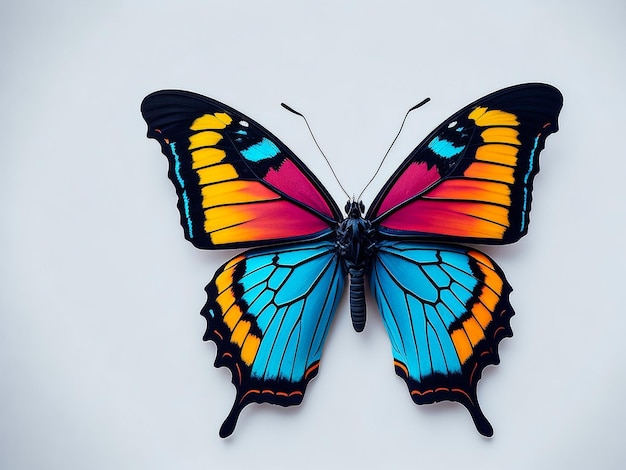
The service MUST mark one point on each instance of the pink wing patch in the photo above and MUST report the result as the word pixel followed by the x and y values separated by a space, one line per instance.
pixel 414 180
pixel 462 219
pixel 290 180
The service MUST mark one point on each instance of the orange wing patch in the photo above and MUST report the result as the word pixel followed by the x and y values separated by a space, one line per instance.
pixel 472 330
pixel 232 316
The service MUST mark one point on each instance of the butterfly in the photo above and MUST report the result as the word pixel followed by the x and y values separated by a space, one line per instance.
pixel 445 306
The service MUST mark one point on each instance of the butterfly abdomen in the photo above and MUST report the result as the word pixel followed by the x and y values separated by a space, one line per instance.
pixel 355 245
pixel 357 299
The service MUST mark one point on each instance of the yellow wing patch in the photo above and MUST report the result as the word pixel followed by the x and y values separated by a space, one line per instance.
pixel 206 157
pixel 216 174
pixel 498 153
pixel 496 117
pixel 211 121
pixel 204 139
pixel 234 191
pixel 501 135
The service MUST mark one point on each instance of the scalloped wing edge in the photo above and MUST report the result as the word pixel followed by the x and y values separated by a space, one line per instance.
pixel 466 393
pixel 248 389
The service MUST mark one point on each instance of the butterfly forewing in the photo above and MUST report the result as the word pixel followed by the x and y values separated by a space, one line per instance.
pixel 471 178
pixel 238 185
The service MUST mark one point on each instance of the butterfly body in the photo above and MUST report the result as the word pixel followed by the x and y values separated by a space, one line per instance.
pixel 445 306
pixel 356 243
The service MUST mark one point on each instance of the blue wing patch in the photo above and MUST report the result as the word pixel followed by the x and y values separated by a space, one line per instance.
pixel 262 150
pixel 269 311
pixel 444 148
pixel 445 309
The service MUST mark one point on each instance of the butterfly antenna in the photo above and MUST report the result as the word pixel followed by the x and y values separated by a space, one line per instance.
pixel 289 108
pixel 418 105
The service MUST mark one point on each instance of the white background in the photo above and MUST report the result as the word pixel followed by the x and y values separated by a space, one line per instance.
pixel 101 360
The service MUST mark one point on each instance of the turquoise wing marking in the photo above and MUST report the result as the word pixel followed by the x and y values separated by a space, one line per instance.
pixel 269 311
pixel 445 309
pixel 263 150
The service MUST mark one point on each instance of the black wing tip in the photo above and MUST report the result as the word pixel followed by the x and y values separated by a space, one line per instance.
pixel 533 94
pixel 154 99
pixel 551 89
pixel 166 107
pixel 167 92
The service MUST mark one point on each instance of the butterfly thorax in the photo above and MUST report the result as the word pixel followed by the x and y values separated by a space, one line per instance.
pixel 355 245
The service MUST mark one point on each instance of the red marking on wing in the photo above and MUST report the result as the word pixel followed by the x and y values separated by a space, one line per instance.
pixel 268 391
pixel 413 181
pixel 460 219
pixel 291 181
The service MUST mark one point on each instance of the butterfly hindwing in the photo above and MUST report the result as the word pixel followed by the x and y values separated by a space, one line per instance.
pixel 471 178
pixel 445 308
pixel 238 185
pixel 268 311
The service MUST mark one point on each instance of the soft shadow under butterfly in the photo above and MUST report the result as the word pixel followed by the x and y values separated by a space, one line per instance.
pixel 445 306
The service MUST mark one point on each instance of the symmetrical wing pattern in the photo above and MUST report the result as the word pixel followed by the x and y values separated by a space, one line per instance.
pixel 445 307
